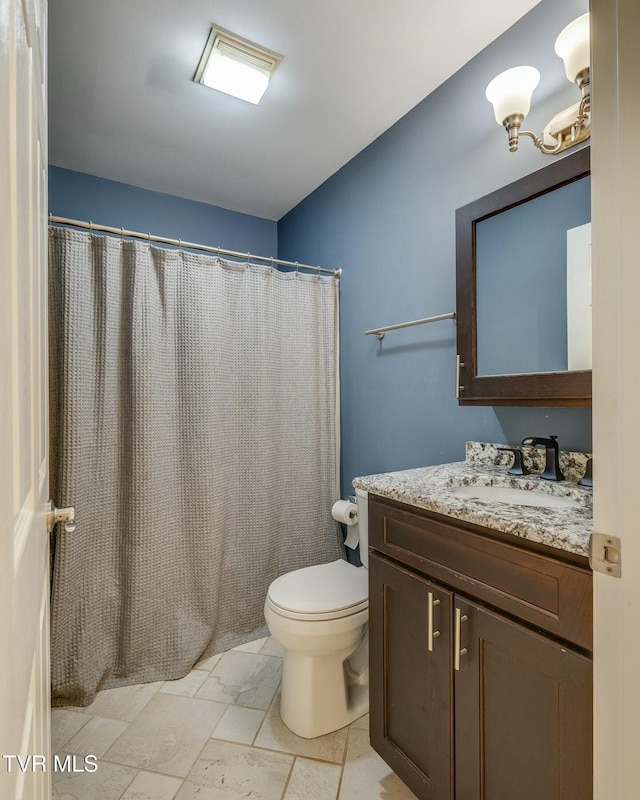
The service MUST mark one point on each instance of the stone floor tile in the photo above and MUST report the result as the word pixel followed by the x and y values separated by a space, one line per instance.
pixel 246 679
pixel 251 647
pixel 225 771
pixel 361 724
pixel 96 737
pixel 123 703
pixel 106 783
pixel 64 724
pixel 366 776
pixel 239 724
pixel 150 786
pixel 187 686
pixel 313 780
pixel 272 648
pixel 167 734
pixel 208 663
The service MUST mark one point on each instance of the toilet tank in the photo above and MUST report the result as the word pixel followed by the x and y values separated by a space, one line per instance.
pixel 362 502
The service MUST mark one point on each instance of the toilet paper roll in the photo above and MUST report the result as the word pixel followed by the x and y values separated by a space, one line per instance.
pixel 344 511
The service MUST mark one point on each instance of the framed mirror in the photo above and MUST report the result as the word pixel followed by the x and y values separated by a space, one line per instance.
pixel 523 290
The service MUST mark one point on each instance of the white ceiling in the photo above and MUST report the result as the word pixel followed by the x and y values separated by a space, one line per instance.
pixel 123 104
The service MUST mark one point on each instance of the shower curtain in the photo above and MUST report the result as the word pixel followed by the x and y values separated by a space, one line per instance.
pixel 193 427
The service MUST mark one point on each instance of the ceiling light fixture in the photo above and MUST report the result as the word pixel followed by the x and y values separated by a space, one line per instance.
pixel 510 92
pixel 235 66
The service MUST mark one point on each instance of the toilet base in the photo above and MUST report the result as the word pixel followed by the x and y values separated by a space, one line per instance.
pixel 325 669
pixel 321 694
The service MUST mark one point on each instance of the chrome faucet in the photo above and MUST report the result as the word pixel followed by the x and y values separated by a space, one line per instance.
pixel 552 471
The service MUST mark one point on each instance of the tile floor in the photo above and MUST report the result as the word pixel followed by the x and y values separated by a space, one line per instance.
pixel 216 734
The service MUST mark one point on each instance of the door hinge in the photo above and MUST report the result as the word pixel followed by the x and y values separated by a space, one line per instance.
pixel 605 554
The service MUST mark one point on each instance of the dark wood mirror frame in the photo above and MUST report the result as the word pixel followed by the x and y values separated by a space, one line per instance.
pixel 531 389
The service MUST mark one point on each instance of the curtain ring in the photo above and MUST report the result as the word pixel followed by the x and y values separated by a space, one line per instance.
pixel 90 228
pixel 121 235
pixel 318 268
pixel 297 273
pixel 149 240
pixel 180 246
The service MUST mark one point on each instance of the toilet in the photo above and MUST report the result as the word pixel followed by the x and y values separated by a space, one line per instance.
pixel 319 615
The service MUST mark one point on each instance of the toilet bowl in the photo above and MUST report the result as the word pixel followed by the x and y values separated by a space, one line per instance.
pixel 319 615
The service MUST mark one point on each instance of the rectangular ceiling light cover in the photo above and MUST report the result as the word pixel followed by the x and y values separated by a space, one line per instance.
pixel 235 66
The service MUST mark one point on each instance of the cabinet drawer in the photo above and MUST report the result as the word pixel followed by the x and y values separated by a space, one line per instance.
pixel 543 590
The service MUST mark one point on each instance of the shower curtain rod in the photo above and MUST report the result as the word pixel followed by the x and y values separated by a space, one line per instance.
pixel 221 251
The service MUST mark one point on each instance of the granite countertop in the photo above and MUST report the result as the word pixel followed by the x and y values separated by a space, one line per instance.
pixel 433 488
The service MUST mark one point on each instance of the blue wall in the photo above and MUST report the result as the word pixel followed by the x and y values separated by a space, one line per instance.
pixel 85 197
pixel 388 217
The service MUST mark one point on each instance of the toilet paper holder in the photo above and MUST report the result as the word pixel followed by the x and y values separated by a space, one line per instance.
pixel 345 511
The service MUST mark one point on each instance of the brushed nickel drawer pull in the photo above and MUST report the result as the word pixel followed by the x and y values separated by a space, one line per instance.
pixel 431 634
pixel 458 651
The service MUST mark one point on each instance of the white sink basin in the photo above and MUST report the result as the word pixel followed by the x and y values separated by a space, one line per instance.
pixel 517 497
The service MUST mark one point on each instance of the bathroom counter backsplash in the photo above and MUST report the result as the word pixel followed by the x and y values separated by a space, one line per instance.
pixel 572 464
pixel 432 488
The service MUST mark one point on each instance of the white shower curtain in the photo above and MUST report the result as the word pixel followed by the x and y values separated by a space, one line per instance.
pixel 193 427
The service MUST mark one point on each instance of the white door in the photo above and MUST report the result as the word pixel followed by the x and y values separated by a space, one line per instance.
pixel 615 164
pixel 24 479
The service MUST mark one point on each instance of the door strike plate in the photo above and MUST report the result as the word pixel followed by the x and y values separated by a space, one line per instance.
pixel 605 554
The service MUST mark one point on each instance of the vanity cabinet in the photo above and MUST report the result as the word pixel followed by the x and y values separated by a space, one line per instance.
pixel 481 676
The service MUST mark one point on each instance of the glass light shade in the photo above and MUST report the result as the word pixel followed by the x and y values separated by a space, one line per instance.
pixel 573 47
pixel 236 78
pixel 510 92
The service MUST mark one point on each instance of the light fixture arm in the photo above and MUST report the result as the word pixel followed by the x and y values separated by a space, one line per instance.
pixel 576 131
pixel 512 126
pixel 539 143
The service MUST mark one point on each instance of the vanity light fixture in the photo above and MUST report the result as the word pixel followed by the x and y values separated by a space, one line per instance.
pixel 235 66
pixel 510 92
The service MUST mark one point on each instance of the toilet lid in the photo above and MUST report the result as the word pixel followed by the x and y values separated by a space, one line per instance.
pixel 325 588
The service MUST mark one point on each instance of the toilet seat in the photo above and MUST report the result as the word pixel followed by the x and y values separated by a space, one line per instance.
pixel 322 592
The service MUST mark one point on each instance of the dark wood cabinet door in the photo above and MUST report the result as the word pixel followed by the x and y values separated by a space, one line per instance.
pixel 523 713
pixel 411 678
